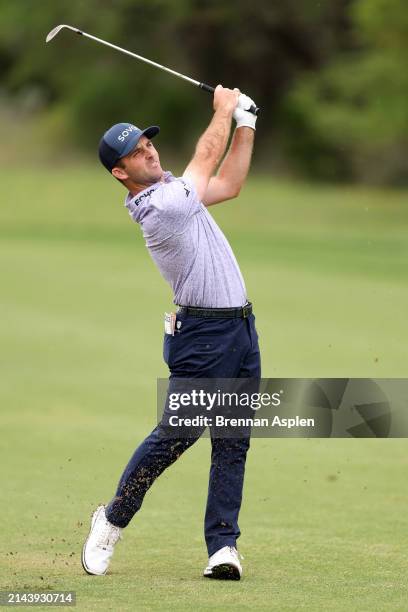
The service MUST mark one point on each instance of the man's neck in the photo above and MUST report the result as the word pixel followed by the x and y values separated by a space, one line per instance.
pixel 135 188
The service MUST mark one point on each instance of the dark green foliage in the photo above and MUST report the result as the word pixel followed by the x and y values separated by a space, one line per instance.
pixel 357 105
pixel 329 75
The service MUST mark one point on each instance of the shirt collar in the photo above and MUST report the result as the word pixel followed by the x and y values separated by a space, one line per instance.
pixel 131 199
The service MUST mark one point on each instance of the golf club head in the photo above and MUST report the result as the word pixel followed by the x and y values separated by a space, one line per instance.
pixel 57 29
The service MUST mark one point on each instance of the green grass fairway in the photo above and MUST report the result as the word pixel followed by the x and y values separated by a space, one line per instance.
pixel 324 522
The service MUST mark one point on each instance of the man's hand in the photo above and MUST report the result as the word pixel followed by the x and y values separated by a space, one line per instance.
pixel 225 99
pixel 241 114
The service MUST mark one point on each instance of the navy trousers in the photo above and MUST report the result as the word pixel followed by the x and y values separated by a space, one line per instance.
pixel 200 348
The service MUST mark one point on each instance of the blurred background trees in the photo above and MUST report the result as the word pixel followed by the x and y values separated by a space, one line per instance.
pixel 330 76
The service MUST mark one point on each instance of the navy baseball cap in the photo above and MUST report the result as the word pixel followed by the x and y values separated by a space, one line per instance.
pixel 120 140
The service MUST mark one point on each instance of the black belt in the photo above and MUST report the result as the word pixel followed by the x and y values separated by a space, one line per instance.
pixel 217 313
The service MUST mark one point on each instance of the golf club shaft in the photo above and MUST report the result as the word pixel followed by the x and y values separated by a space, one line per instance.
pixel 254 109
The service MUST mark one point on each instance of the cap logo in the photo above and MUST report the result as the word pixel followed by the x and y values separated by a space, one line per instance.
pixel 126 132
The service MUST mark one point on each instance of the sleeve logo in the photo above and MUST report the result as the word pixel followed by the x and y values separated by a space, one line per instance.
pixel 185 189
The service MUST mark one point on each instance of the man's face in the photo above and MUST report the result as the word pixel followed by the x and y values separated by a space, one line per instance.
pixel 141 166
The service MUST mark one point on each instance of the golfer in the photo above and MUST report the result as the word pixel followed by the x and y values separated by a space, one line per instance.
pixel 213 333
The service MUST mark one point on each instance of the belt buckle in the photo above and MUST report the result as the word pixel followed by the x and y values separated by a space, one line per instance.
pixel 244 315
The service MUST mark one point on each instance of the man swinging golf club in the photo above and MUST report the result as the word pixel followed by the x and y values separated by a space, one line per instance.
pixel 195 258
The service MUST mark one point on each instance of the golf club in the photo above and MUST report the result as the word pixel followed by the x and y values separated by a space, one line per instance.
pixel 254 109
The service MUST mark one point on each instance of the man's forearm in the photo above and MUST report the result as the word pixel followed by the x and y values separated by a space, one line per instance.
pixel 235 167
pixel 213 142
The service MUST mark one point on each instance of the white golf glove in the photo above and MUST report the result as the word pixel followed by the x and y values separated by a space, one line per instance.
pixel 241 114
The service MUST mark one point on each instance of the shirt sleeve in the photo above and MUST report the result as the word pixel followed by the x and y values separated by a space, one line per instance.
pixel 176 203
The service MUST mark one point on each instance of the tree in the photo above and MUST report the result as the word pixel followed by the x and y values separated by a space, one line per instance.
pixel 353 114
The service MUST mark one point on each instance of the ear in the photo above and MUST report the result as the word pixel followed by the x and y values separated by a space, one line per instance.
pixel 119 173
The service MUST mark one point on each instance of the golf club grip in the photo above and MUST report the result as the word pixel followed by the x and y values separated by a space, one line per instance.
pixel 254 109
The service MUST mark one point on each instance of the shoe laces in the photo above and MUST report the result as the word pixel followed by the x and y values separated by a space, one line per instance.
pixel 235 552
pixel 107 535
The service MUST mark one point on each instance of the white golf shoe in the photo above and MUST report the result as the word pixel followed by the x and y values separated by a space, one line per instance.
pixel 224 564
pixel 98 548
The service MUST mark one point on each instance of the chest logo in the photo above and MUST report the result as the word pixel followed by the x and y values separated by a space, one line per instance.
pixel 140 198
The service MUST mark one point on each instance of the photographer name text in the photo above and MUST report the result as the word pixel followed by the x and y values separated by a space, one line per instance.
pixel 222 421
